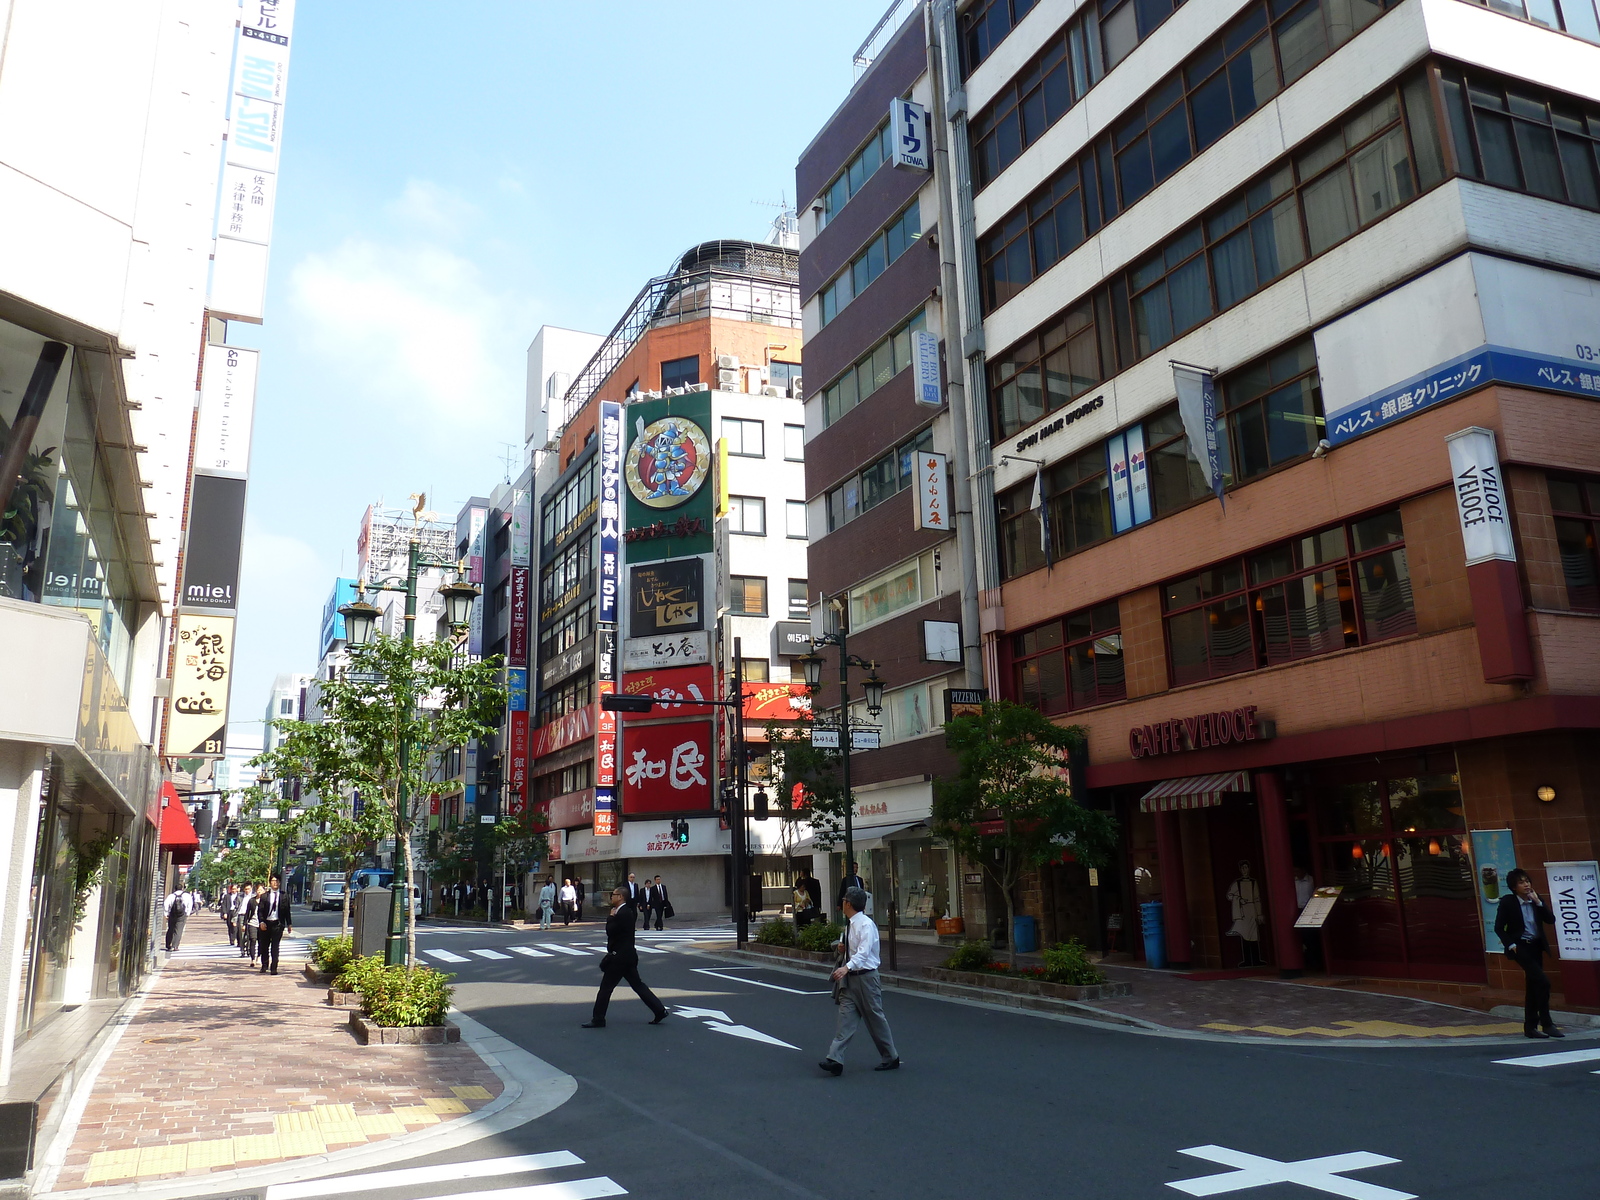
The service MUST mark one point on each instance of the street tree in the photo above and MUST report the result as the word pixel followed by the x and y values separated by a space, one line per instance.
pixel 386 722
pixel 1011 806
pixel 808 784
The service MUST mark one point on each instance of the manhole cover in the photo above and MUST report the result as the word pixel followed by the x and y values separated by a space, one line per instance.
pixel 168 1041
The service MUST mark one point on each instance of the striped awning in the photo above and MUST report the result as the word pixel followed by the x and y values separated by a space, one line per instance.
pixel 1193 791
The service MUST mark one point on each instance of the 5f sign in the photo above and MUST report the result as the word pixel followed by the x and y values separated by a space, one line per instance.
pixel 910 125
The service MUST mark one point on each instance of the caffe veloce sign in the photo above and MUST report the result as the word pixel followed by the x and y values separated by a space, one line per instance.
pixel 1222 728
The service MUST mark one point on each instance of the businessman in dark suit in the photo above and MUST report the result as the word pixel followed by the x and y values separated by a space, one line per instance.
pixel 622 962
pixel 1519 924
pixel 658 903
pixel 273 920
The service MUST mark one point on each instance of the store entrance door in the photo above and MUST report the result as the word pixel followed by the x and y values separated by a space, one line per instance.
pixel 1238 883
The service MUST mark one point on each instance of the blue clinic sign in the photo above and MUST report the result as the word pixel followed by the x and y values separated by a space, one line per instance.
pixel 1462 374
pixel 610 509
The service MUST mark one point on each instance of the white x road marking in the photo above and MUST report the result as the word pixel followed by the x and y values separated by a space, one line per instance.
pixel 718 1020
pixel 1319 1174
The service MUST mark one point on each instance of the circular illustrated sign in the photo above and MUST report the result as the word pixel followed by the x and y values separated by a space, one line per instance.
pixel 668 462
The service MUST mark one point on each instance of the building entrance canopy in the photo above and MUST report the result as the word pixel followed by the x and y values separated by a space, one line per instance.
pixel 1193 791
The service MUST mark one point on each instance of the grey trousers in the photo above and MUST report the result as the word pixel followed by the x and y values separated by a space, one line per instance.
pixel 862 1001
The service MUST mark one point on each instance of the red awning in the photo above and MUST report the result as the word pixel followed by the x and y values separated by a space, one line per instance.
pixel 177 831
pixel 1193 791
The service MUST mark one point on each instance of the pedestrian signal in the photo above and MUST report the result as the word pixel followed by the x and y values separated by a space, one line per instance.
pixel 680 832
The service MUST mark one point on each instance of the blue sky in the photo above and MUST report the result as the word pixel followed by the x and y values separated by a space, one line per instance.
pixel 455 174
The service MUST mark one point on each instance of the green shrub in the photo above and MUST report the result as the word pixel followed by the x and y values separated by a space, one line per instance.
pixel 969 956
pixel 395 996
pixel 775 933
pixel 820 935
pixel 333 953
pixel 356 971
pixel 1068 962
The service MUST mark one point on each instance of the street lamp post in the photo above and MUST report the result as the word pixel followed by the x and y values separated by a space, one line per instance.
pixel 360 619
pixel 872 686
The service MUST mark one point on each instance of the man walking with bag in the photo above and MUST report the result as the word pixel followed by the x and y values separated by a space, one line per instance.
pixel 621 962
pixel 857 990
pixel 178 907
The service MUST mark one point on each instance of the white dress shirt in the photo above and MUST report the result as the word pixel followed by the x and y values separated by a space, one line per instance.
pixel 862 940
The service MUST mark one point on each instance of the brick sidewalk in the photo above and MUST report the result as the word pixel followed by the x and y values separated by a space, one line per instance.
pixel 225 1067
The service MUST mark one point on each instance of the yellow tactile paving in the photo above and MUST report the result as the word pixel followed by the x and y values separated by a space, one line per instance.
pixel 444 1104
pixel 471 1093
pixel 256 1146
pixel 416 1114
pixel 1373 1029
pixel 295 1145
pixel 380 1124
pixel 335 1132
pixel 162 1160
pixel 295 1122
pixel 110 1165
pixel 334 1114
pixel 214 1152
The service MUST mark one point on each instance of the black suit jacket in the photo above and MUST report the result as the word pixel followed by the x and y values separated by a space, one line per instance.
pixel 658 895
pixel 621 955
pixel 1509 925
pixel 264 906
pixel 814 890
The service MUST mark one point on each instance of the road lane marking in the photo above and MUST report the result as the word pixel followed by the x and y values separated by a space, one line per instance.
pixel 719 1021
pixel 445 956
pixel 529 951
pixel 576 1189
pixel 481 1169
pixel 566 950
pixel 758 983
pixel 1318 1174
pixel 1559 1059
pixel 488 954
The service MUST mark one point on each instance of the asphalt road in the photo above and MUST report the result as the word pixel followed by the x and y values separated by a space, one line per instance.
pixel 988 1102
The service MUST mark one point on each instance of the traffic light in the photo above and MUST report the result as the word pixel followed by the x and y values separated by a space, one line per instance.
pixel 616 702
pixel 762 811
pixel 680 832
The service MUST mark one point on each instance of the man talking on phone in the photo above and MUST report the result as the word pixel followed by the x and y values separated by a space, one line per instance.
pixel 1519 924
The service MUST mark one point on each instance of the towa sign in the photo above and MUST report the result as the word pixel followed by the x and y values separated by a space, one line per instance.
pixel 1202 732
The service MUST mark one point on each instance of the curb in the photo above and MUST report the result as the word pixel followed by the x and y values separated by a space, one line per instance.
pixel 1077 1013
pixel 532 1088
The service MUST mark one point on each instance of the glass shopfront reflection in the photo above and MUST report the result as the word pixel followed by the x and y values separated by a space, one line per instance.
pixel 916 871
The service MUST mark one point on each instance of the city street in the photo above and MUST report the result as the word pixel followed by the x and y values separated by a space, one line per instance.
pixel 701 1106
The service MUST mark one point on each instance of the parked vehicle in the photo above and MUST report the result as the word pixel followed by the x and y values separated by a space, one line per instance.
pixel 328 894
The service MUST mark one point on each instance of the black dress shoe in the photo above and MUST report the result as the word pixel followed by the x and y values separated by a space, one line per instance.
pixel 892 1065
pixel 831 1066
pixel 593 1025
pixel 1553 1032
pixel 660 1017
pixel 1535 1033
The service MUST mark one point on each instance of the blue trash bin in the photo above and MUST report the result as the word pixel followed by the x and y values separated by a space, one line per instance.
pixel 1154 927
pixel 1024 934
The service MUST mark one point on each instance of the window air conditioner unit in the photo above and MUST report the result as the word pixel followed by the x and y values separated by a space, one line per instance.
pixel 727 378
pixel 795 388
pixel 674 391
pixel 727 362
pixel 770 390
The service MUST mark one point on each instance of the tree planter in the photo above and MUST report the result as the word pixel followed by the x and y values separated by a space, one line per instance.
pixel 344 999
pixel 1029 987
pixel 369 1034
pixel 816 956
pixel 320 978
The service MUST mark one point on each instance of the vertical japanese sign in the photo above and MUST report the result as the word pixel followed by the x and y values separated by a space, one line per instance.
pixel 518 741
pixel 1130 479
pixel 908 124
pixel 480 519
pixel 610 580
pixel 521 529
pixel 227 408
pixel 933 498
pixel 1575 900
pixel 197 726
pixel 605 765
pixel 521 598
pixel 925 369
pixel 1480 496
pixel 1197 405
pixel 250 172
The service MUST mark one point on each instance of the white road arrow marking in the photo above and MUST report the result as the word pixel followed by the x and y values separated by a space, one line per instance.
pixel 715 1014
pixel 1319 1174
pixel 744 1031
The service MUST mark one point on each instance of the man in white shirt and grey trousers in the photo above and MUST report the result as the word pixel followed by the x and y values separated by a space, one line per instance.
pixel 861 996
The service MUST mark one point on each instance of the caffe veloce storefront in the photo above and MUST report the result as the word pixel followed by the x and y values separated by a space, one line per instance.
pixel 1416 822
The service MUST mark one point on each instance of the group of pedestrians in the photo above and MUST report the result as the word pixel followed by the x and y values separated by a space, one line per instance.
pixel 257 917
pixel 565 900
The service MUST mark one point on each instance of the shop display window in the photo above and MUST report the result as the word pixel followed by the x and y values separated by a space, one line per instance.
pixel 1575 505
pixel 1071 663
pixel 1344 586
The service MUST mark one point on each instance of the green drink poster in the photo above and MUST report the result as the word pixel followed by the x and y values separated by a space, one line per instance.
pixel 1495 855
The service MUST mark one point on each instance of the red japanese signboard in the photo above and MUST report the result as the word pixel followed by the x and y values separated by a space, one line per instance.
pixel 563 731
pixel 605 750
pixel 572 809
pixel 668 767
pixel 517 758
pixel 678 687
pixel 776 701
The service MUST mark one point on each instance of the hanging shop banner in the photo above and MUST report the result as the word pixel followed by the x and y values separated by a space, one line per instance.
pixel 521 528
pixel 211 554
pixel 925 369
pixel 1480 495
pixel 676 650
pixel 605 813
pixel 556 839
pixel 1494 854
pixel 227 407
pixel 678 691
pixel 909 122
pixel 668 767
pixel 1197 405
pixel 933 492
pixel 521 599
pixel 776 701
pixel 517 762
pixel 666 597
pixel 1575 900
pixel 1130 479
pixel 667 470
pixel 610 510
pixel 605 746
pixel 197 721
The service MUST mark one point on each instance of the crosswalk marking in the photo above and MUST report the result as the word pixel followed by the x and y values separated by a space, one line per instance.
pixel 529 951
pixel 412 1176
pixel 445 956
pixel 488 954
pixel 287 948
pixel 566 950
pixel 1560 1059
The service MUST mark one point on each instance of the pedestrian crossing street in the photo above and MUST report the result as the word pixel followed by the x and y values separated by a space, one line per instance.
pixel 448 1174
pixel 651 943
pixel 289 947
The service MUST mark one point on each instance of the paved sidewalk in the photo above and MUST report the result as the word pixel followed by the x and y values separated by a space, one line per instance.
pixel 224 1067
